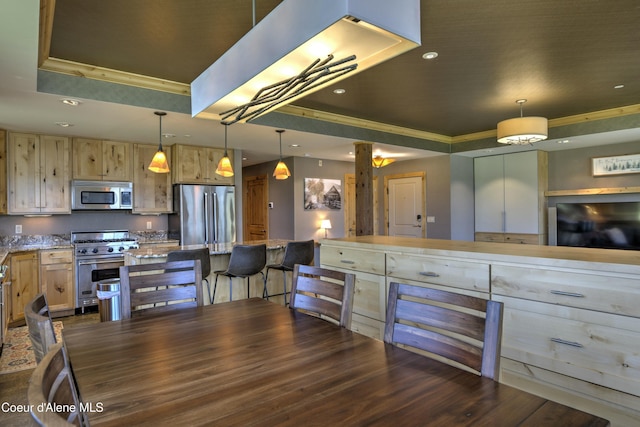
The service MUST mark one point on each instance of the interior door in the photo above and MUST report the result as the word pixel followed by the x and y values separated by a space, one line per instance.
pixel 255 213
pixel 350 205
pixel 405 205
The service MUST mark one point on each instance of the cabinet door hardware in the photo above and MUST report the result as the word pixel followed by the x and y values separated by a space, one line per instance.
pixel 429 274
pixel 565 342
pixel 567 294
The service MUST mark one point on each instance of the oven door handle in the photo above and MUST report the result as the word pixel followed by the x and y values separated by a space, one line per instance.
pixel 111 261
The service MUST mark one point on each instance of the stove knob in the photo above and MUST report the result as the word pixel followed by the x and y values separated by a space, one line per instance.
pixel 95 250
pixel 121 248
pixel 110 249
pixel 83 251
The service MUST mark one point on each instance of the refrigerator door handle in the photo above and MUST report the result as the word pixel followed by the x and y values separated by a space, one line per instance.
pixel 206 218
pixel 216 219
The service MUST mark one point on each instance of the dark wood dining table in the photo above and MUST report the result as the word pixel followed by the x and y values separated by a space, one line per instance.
pixel 253 362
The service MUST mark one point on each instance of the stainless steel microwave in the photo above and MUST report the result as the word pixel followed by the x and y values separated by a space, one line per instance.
pixel 101 195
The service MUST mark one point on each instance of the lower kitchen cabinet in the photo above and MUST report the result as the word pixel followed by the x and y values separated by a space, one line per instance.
pixel 24 283
pixel 57 281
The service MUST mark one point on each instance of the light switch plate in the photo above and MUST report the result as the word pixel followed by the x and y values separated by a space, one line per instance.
pixel 18 228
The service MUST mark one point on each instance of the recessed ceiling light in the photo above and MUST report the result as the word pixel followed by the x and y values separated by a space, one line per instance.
pixel 169 135
pixel 64 124
pixel 430 55
pixel 71 102
pixel 563 141
pixel 618 86
pixel 339 91
pixel 294 145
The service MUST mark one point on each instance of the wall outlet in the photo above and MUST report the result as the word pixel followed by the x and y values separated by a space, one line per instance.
pixel 149 225
pixel 18 228
pixel 270 205
pixel 320 163
pixel 431 219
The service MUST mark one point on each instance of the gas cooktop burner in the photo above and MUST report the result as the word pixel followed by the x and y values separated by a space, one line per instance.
pixel 102 243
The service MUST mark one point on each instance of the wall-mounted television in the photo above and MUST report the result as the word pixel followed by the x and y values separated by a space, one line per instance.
pixel 599 225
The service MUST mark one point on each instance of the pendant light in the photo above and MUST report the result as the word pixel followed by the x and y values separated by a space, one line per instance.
pixel 281 171
pixel 379 162
pixel 522 130
pixel 159 162
pixel 224 165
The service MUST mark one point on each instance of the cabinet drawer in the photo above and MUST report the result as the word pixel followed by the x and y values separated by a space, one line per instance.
pixel 595 347
pixel 611 293
pixel 440 271
pixel 366 326
pixel 353 259
pixel 56 256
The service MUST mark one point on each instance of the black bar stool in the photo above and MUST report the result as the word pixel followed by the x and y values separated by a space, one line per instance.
pixel 192 254
pixel 245 261
pixel 300 252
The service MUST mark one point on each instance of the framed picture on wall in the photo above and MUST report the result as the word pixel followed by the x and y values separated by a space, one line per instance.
pixel 320 193
pixel 615 165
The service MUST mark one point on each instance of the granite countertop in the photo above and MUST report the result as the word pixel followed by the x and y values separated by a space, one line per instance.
pixel 214 249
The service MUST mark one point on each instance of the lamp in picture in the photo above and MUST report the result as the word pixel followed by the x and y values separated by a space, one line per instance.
pixel 159 162
pixel 378 161
pixel 522 130
pixel 302 46
pixel 325 225
pixel 224 165
pixel 281 171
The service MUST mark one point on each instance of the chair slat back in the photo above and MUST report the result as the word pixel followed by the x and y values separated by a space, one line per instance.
pixel 462 330
pixel 323 292
pixel 40 326
pixel 52 383
pixel 150 288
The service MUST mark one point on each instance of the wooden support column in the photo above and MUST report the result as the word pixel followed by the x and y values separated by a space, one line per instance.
pixel 364 189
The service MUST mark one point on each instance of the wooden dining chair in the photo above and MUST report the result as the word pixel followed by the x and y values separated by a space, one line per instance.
pixel 323 293
pixel 205 262
pixel 40 326
pixel 52 386
pixel 151 288
pixel 460 330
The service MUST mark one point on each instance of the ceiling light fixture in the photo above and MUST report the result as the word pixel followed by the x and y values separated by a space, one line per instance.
pixel 70 102
pixel 224 165
pixel 339 91
pixel 281 171
pixel 522 130
pixel 430 55
pixel 378 161
pixel 64 124
pixel 159 162
pixel 290 53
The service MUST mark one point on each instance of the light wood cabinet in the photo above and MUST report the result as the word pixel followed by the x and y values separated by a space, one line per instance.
pixel 3 171
pixel 39 174
pixel 57 280
pixel 97 160
pixel 510 205
pixel 370 293
pixel 197 165
pixel 24 283
pixel 152 192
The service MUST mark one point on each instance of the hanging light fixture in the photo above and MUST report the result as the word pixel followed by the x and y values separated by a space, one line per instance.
pixel 224 165
pixel 159 162
pixel 378 161
pixel 299 48
pixel 522 130
pixel 281 171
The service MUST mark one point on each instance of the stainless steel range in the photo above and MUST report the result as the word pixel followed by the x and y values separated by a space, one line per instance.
pixel 99 255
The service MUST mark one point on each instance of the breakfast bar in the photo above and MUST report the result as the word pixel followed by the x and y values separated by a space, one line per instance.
pixel 220 254
pixel 572 315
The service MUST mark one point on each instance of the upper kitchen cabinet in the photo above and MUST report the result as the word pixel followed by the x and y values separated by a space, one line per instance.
pixel 96 160
pixel 197 165
pixel 152 192
pixel 3 171
pixel 39 174
pixel 510 205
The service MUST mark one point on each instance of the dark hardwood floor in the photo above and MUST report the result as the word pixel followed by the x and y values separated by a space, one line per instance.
pixel 13 387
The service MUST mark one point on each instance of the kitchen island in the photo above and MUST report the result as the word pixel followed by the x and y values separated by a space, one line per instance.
pixel 220 254
pixel 572 315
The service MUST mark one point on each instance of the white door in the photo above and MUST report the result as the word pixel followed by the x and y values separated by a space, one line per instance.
pixel 406 207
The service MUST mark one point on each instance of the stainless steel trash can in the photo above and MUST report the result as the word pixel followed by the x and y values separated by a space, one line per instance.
pixel 109 300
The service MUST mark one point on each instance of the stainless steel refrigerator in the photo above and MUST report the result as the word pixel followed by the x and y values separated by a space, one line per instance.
pixel 203 214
